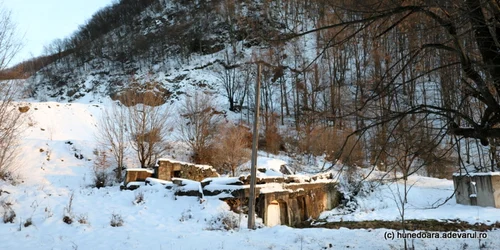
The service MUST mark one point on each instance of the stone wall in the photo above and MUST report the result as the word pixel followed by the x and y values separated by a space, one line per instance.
pixel 167 169
pixel 299 203
pixel 137 174
pixel 477 189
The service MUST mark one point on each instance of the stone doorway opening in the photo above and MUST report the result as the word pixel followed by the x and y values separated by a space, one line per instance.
pixel 277 213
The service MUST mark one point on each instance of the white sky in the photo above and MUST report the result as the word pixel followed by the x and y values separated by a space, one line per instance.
pixel 43 21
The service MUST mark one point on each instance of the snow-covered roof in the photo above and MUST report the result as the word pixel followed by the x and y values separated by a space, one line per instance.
pixel 477 174
pixel 186 185
pixel 135 183
pixel 140 170
pixel 152 180
pixel 266 167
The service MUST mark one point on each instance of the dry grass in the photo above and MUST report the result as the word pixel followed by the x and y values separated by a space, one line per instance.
pixel 425 225
pixel 83 219
pixel 116 220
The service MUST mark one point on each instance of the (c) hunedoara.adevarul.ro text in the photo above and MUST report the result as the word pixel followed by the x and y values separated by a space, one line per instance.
pixel 434 235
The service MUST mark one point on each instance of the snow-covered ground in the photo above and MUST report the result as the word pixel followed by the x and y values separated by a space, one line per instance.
pixel 428 198
pixel 55 173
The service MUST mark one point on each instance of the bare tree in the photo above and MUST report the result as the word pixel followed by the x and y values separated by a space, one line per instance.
pixel 232 147
pixel 408 42
pixel 148 126
pixel 200 128
pixel 234 81
pixel 11 121
pixel 10 44
pixel 112 133
pixel 10 115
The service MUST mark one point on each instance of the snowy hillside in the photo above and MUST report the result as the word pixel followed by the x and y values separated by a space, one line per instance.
pixel 346 103
pixel 54 182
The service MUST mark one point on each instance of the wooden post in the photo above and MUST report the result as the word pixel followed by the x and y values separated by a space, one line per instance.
pixel 255 140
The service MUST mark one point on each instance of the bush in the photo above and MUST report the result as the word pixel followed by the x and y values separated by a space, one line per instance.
pixel 28 222
pixel 68 211
pixel 83 219
pixel 8 213
pixel 352 184
pixel 116 220
pixel 9 176
pixel 186 215
pixel 101 169
pixel 67 219
pixel 48 212
pixel 101 179
pixel 224 221
pixel 139 198
pixel 9 216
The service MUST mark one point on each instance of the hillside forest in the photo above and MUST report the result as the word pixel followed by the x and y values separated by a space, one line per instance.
pixel 407 86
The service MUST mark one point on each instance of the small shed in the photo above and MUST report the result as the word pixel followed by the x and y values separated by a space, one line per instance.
pixel 478 189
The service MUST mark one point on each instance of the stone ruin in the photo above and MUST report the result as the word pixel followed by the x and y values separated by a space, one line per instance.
pixel 167 170
pixel 287 200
